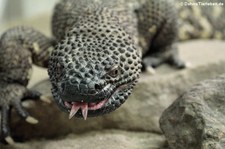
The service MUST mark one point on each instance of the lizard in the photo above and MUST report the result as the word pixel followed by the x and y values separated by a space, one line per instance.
pixel 98 51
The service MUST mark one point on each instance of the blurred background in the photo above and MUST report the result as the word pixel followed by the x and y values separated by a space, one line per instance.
pixel 34 13
pixel 26 12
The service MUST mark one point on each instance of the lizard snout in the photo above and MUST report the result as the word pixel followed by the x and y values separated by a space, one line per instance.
pixel 83 91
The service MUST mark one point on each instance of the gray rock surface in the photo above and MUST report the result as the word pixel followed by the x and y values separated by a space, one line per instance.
pixel 105 139
pixel 141 111
pixel 197 118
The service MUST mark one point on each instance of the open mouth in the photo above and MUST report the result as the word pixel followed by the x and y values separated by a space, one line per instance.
pixel 73 107
pixel 84 106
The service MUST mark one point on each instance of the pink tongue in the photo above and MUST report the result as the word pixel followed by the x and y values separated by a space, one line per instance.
pixel 76 107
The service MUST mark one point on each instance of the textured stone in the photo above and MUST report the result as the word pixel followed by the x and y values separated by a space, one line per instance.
pixel 197 118
pixel 106 139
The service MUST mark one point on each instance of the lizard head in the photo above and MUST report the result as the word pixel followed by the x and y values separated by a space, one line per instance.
pixel 93 71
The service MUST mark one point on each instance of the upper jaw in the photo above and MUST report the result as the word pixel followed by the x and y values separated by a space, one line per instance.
pixel 75 96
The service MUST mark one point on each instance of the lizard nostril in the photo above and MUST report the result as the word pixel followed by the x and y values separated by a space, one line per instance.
pixel 97 87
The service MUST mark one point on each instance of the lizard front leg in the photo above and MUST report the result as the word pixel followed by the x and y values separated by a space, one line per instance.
pixel 20 47
pixel 158 28
pixel 168 54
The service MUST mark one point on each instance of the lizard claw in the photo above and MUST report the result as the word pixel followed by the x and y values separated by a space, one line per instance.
pixel 150 70
pixel 5 122
pixel 15 101
pixel 35 95
pixel 31 120
pixel 188 65
pixel 45 99
pixel 9 140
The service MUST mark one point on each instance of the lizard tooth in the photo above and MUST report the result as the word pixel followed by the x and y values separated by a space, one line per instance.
pixel 84 108
pixel 46 99
pixel 74 110
pixel 67 104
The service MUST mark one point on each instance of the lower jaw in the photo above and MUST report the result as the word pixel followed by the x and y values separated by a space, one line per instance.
pixel 93 109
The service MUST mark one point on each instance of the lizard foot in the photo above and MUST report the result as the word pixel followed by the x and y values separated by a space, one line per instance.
pixel 150 63
pixel 176 62
pixel 11 96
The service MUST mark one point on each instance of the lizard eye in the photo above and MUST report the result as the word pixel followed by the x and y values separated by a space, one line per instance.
pixel 114 72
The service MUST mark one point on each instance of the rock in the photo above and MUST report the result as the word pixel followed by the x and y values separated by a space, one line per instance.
pixel 140 112
pixel 106 139
pixel 197 118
